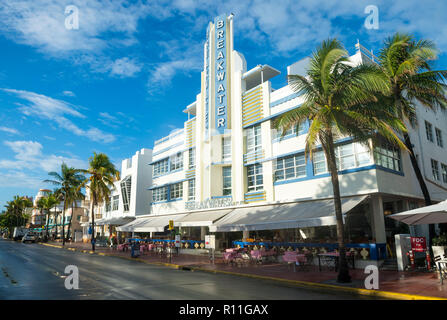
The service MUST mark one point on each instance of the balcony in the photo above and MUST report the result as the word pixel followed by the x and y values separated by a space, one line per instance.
pixel 254 156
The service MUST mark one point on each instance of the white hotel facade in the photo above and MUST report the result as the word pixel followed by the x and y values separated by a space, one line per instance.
pixel 228 172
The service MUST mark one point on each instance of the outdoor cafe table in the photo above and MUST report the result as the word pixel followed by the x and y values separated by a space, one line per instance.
pixel 333 256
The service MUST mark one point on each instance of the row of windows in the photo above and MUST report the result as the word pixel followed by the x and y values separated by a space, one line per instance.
pixel 174 162
pixel 437 175
pixel 429 134
pixel 175 191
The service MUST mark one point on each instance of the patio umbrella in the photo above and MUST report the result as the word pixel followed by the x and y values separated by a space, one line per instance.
pixel 436 213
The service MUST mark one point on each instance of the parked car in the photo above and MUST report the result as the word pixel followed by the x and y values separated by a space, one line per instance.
pixel 19 232
pixel 29 237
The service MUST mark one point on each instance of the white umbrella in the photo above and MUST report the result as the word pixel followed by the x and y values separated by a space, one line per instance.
pixel 436 213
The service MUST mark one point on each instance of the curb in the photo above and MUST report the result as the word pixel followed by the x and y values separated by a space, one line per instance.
pixel 306 284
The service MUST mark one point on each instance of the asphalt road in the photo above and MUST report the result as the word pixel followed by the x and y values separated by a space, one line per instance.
pixel 33 271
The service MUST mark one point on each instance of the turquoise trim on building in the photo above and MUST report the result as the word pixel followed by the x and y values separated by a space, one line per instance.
pixel 220 197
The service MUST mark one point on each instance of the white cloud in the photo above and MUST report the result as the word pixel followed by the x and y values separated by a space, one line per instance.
pixel 124 67
pixel 9 130
pixel 29 162
pixel 57 111
pixel 68 93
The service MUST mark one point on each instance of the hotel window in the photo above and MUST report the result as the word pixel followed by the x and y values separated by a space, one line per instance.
pixel 160 167
pixel 388 156
pixel 292 131
pixel 439 138
pixel 429 131
pixel 192 158
pixel 254 139
pixel 115 203
pixel 254 177
pixel 290 167
pixel 226 149
pixel 177 161
pixel 319 161
pixel 192 189
pixel 435 169
pixel 444 172
pixel 176 191
pixel 160 194
pixel 109 204
pixel 352 155
pixel 226 177
pixel 125 192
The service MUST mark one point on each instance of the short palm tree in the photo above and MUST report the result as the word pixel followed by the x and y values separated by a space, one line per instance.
pixel 102 173
pixel 340 100
pixel 66 180
pixel 74 195
pixel 49 202
pixel 407 65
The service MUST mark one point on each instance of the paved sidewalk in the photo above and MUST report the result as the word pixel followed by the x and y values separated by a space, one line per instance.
pixel 392 284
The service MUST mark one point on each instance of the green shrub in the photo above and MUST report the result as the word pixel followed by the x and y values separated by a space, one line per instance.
pixel 440 241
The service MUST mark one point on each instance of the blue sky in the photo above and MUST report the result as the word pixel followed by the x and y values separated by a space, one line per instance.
pixel 122 79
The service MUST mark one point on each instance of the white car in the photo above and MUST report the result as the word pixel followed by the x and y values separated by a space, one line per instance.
pixel 29 237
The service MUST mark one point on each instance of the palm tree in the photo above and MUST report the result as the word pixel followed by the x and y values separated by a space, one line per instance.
pixel 49 202
pixel 74 195
pixel 17 207
pixel 100 183
pixel 407 65
pixel 40 205
pixel 340 100
pixel 66 180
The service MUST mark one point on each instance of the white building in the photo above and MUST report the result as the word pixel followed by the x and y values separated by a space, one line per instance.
pixel 228 172
pixel 130 198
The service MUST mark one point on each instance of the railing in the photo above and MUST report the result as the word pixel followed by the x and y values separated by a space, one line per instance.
pixel 167 138
pixel 253 156
pixel 192 244
pixel 375 251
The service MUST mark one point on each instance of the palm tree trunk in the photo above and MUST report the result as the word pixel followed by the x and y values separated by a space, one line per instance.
pixel 63 223
pixel 422 184
pixel 69 223
pixel 328 147
pixel 93 222
pixel 46 229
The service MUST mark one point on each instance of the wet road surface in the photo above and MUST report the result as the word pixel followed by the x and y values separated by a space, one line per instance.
pixel 33 271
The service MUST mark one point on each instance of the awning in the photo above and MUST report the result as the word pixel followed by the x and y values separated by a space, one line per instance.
pixel 114 221
pixel 436 213
pixel 302 214
pixel 150 224
pixel 202 218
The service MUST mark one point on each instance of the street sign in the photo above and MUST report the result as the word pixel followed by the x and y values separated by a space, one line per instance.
pixel 210 241
pixel 177 241
pixel 418 244
pixel 171 224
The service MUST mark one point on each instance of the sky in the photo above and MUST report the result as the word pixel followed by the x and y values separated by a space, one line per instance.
pixel 119 79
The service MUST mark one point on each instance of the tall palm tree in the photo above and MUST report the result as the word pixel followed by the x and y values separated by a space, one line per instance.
pixel 407 65
pixel 66 180
pixel 339 100
pixel 17 207
pixel 102 173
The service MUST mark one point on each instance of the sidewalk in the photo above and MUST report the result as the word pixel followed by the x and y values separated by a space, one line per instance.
pixel 392 284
